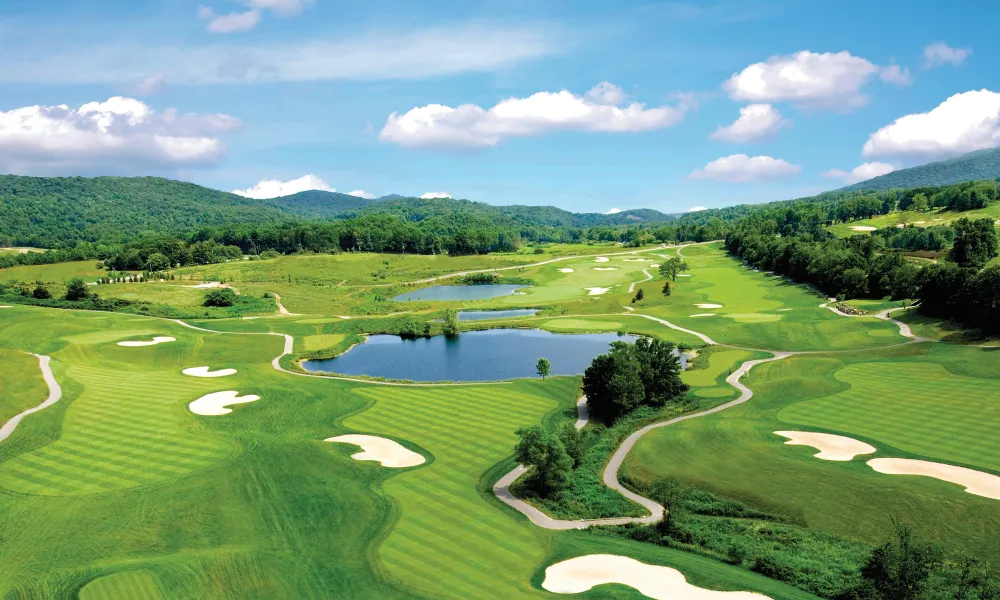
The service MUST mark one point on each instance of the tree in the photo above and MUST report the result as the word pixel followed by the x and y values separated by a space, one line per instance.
pixel 157 262
pixel 666 288
pixel 545 456
pixel 672 267
pixel 919 203
pixel 543 367
pixel 451 327
pixel 898 569
pixel 646 372
pixel 854 282
pixel 220 297
pixel 76 290
pixel 572 440
pixel 975 243
pixel 41 293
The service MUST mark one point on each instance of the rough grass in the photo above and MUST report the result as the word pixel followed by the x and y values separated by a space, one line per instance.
pixel 921 219
pixel 736 455
pixel 56 273
pixel 21 383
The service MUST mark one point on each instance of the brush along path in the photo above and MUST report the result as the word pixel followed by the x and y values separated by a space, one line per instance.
pixel 904 329
pixel 55 394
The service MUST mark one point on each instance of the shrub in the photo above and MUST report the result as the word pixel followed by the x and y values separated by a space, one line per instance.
pixel 76 290
pixel 220 297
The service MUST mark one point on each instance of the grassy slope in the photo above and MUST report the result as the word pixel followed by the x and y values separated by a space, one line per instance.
pixel 735 453
pixel 922 219
pixel 21 383
pixel 759 311
pixel 57 273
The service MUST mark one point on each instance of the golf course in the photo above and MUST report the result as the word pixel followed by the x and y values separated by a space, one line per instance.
pixel 198 458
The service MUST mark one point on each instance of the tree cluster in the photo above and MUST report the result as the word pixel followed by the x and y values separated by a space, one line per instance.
pixel 630 375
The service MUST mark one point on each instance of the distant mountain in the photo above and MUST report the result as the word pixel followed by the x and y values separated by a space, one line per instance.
pixel 982 164
pixel 320 204
pixel 390 197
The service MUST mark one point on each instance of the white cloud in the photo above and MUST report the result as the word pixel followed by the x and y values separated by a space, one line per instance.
pixel 740 168
pixel 281 7
pixel 470 126
pixel 362 194
pixel 121 135
pixel 613 211
pixel 861 172
pixel 152 85
pixel 274 188
pixel 896 75
pixel 939 54
pixel 433 195
pixel 829 80
pixel 371 56
pixel 757 122
pixel 697 208
pixel 606 93
pixel 231 22
pixel 962 123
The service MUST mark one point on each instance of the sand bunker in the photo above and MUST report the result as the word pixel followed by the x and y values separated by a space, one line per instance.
pixel 597 291
pixel 210 284
pixel 707 305
pixel 601 259
pixel 975 482
pixel 654 266
pixel 5 307
pixel 214 405
pixel 205 372
pixel 784 309
pixel 160 339
pixel 388 452
pixel 565 270
pixel 831 447
pixel 864 228
pixel 605 268
pixel 683 274
pixel 577 575
pixel 704 315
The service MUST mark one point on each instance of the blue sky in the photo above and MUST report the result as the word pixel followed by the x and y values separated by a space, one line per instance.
pixel 226 93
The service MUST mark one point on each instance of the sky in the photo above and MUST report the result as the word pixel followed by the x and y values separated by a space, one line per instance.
pixel 590 106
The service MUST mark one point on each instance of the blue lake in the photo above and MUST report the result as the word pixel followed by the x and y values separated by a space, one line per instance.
pixel 459 292
pixel 472 356
pixel 483 315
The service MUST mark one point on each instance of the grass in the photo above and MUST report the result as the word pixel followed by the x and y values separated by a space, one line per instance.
pixel 130 585
pixel 921 219
pixel 313 343
pixel 55 273
pixel 734 454
pixel 759 310
pixel 21 383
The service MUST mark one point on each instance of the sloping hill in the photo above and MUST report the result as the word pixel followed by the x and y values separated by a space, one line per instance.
pixel 319 204
pixel 982 164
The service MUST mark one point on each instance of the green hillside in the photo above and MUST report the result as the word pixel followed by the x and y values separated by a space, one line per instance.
pixel 319 204
pixel 982 164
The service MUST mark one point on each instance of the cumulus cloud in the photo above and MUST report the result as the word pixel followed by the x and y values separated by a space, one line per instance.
pixel 432 195
pixel 757 122
pixel 828 80
pixel 471 126
pixel 247 20
pixel 121 135
pixel 962 123
pixel 613 211
pixel 370 56
pixel 362 194
pixel 740 168
pixel 940 54
pixel 231 22
pixel 862 172
pixel 697 208
pixel 275 188
pixel 896 75
pixel 606 93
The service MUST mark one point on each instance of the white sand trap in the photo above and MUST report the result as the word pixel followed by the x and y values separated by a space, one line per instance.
pixel 831 447
pixel 565 270
pixel 975 482
pixel 605 268
pixel 205 372
pixel 214 405
pixel 654 266
pixel 707 305
pixel 864 228
pixel 160 339
pixel 784 309
pixel 388 452
pixel 207 285
pixel 6 307
pixel 577 575
pixel 602 259
pixel 597 291
pixel 704 315
pixel 683 274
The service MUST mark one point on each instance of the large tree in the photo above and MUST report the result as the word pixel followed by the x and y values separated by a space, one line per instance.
pixel 646 372
pixel 548 462
pixel 975 243
pixel 672 266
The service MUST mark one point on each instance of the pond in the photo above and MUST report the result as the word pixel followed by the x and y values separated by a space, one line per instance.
pixel 459 292
pixel 472 356
pixel 483 315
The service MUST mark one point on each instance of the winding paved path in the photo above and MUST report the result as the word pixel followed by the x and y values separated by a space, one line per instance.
pixel 631 288
pixel 904 329
pixel 55 394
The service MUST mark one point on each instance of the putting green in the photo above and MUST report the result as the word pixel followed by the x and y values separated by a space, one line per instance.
pixel 321 342
pixel 129 585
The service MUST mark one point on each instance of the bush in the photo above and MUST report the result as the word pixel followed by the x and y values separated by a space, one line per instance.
pixel 40 293
pixel 269 254
pixel 76 290
pixel 220 297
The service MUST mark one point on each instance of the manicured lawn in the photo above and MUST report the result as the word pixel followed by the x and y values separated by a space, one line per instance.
pixel 21 384
pixel 920 219
pixel 936 402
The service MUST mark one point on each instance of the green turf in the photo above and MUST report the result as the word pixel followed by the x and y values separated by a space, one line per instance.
pixel 21 383
pixel 56 273
pixel 129 585
pixel 920 219
pixel 735 453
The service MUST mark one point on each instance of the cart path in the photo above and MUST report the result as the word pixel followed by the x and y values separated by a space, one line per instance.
pixel 55 394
